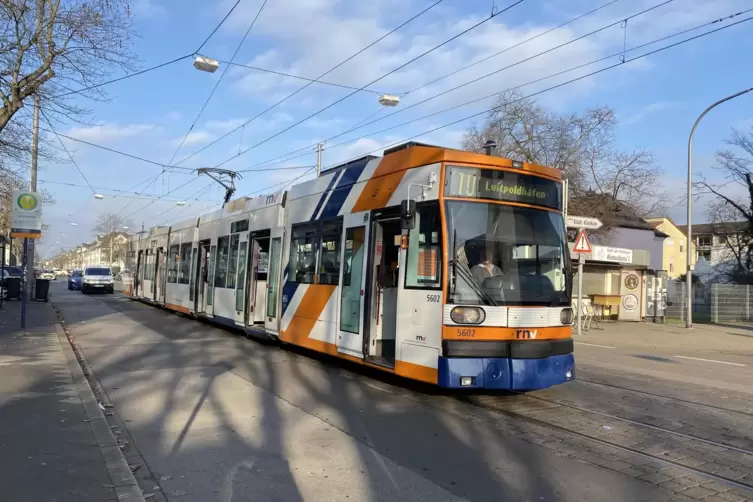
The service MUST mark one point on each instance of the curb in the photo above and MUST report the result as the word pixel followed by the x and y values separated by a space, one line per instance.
pixel 123 480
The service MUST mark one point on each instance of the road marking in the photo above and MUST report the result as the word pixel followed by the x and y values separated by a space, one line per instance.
pixel 595 345
pixel 710 360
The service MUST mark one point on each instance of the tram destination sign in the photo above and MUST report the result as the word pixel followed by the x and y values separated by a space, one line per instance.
pixel 508 186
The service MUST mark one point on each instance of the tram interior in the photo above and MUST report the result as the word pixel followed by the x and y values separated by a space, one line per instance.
pixel 383 332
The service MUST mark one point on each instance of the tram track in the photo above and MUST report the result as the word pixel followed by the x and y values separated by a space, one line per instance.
pixel 612 444
pixel 662 396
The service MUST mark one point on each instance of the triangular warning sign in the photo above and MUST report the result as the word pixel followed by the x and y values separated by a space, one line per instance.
pixel 581 243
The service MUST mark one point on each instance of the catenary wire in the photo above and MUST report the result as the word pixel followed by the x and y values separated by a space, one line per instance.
pixel 338 65
pixel 454 37
pixel 539 54
pixel 219 81
pixel 67 152
pixel 621 52
pixel 157 66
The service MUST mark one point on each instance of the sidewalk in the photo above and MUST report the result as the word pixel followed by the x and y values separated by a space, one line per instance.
pixel 55 444
pixel 701 337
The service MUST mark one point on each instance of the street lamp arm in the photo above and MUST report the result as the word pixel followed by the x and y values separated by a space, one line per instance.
pixel 689 246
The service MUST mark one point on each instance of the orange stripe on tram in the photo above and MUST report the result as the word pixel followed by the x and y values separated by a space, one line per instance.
pixel 308 312
pixel 497 333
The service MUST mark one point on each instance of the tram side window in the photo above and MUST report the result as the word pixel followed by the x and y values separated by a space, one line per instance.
pixel 424 269
pixel 220 274
pixel 172 264
pixel 232 266
pixel 185 263
pixel 329 266
pixel 303 254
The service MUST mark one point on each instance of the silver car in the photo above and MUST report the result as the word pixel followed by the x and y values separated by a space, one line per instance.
pixel 97 279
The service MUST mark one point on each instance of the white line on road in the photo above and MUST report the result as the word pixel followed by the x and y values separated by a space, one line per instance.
pixel 710 360
pixel 594 345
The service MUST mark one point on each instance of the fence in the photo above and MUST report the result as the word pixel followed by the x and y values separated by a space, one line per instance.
pixel 712 303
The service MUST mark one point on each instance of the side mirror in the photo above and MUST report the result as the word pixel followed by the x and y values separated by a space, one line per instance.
pixel 408 214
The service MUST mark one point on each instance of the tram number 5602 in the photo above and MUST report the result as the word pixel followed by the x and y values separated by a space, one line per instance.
pixel 466 332
pixel 433 298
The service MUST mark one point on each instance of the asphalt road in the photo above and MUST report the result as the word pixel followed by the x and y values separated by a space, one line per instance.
pixel 210 415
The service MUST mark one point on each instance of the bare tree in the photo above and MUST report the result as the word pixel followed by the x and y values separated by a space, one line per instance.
pixel 731 209
pixel 112 228
pixel 50 47
pixel 583 146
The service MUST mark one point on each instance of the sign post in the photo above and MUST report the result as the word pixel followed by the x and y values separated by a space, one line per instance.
pixel 582 246
pixel 26 222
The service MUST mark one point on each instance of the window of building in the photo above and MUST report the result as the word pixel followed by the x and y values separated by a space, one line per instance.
pixel 705 255
pixel 704 240
pixel 671 267
pixel 172 264
pixel 682 246
pixel 329 265
pixel 184 277
pixel 424 249
pixel 232 266
pixel 303 254
pixel 220 273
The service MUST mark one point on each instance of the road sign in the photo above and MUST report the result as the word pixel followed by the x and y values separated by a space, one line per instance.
pixel 583 222
pixel 581 243
pixel 26 219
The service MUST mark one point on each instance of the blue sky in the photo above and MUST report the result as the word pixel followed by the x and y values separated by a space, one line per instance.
pixel 656 98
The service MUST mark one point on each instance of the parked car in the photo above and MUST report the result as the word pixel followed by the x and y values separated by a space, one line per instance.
pixel 48 274
pixel 75 280
pixel 97 279
pixel 12 271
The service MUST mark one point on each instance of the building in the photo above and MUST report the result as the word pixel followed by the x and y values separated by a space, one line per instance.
pixel 626 261
pixel 97 253
pixel 674 246
pixel 713 240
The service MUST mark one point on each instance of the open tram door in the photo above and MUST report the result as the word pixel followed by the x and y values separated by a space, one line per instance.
pixel 157 285
pixel 354 248
pixel 382 285
pixel 258 278
pixel 139 275
pixel 274 276
pixel 203 277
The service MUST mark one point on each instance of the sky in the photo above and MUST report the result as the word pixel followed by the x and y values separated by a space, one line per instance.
pixel 656 98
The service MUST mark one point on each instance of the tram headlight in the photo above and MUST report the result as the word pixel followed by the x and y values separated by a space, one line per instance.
pixel 467 315
pixel 566 316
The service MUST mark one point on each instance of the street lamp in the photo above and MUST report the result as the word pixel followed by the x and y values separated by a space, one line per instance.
pixel 689 274
pixel 203 63
pixel 99 196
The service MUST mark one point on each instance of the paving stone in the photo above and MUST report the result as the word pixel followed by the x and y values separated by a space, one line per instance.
pixel 655 477
pixel 617 465
pixel 732 497
pixel 697 492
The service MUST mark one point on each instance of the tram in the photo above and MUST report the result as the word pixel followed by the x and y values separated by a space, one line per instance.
pixel 431 263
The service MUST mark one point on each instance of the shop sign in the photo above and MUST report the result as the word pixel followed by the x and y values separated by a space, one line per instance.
pixel 607 253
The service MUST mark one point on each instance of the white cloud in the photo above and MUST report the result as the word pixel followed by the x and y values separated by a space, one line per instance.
pixel 195 138
pixel 110 132
pixel 648 110
pixel 173 116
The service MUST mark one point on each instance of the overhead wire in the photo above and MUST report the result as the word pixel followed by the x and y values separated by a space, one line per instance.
pixel 601 70
pixel 299 77
pixel 219 81
pixel 157 66
pixel 68 153
pixel 119 192
pixel 534 56
pixel 338 65
pixel 454 37
pixel 622 62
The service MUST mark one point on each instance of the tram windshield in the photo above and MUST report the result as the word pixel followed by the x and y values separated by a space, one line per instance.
pixel 506 255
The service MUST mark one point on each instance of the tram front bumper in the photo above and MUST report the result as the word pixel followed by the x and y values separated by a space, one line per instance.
pixel 505 373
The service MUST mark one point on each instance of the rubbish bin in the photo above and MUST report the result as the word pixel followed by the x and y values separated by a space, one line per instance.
pixel 13 288
pixel 41 290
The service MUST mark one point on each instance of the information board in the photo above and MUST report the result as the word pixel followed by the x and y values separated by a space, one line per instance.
pixel 507 186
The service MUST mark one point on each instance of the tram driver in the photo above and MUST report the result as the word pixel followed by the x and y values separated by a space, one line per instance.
pixel 486 268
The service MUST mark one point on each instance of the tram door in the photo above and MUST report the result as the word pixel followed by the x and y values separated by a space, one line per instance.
pixel 383 259
pixel 158 283
pixel 202 274
pixel 353 280
pixel 138 277
pixel 273 280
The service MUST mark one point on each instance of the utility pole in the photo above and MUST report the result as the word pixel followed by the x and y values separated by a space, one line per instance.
pixel 29 243
pixel 319 159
